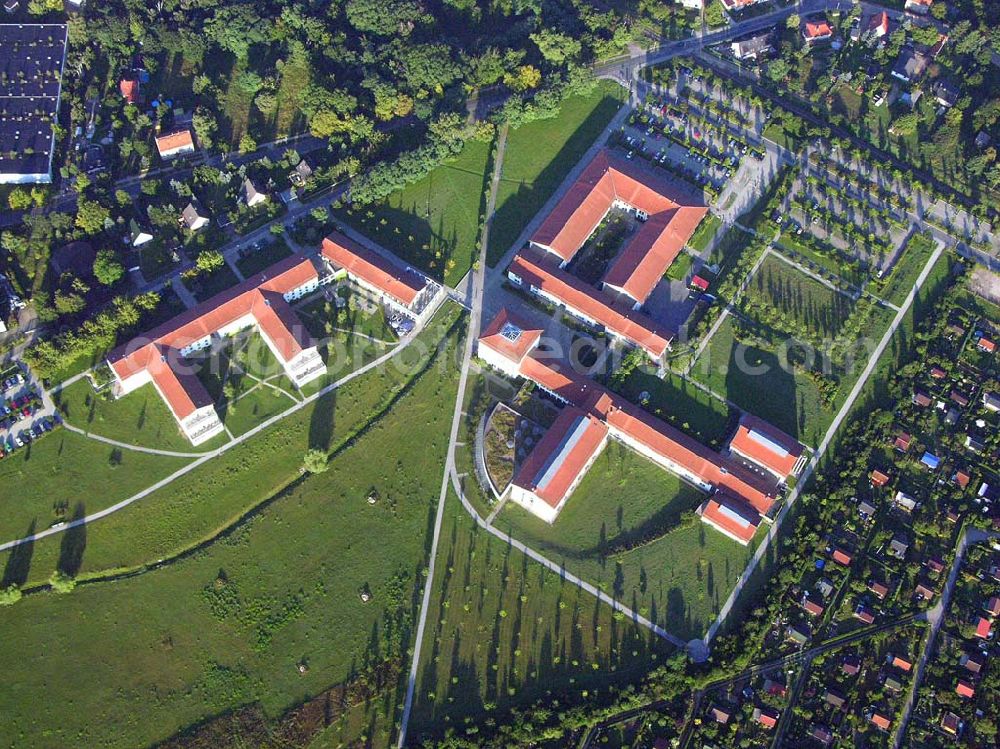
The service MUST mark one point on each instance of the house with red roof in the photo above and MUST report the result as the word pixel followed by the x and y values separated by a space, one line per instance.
pixel 842 557
pixel 767 716
pixel 768 448
pixel 161 356
pixel 400 288
pixel 880 721
pixel 965 689
pixel 984 628
pixel 876 26
pixel 130 90
pixel 878 478
pixel 816 30
pixel 986 345
pixel 506 341
pixel 175 144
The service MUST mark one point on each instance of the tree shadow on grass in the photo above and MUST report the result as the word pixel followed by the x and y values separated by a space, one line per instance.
pixel 74 541
pixel 16 570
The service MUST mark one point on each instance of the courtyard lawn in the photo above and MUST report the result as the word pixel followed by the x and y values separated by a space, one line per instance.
pixel 704 233
pixel 503 631
pixel 209 499
pixel 754 379
pixel 64 475
pixel 229 626
pixel 139 418
pixel 683 404
pixel 433 224
pixel 540 154
pixel 258 403
pixel 630 528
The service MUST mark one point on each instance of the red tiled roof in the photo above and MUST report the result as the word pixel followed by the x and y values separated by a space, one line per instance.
pixel 983 628
pixel 817 30
pixel 673 217
pixel 901 663
pixel 767 717
pixel 699 282
pixel 965 689
pixel 401 284
pixel 766 445
pixel 841 557
pixel 731 516
pixel 879 22
pixel 129 88
pixel 878 478
pixel 260 295
pixel 635 327
pixel 167 144
pixel 902 442
pixel 880 721
pixel 561 455
pixel 510 336
pixel 987 345
pixel 813 608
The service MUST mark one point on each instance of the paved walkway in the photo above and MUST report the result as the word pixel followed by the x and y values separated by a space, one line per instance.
pixel 183 293
pixel 456 423
pixel 772 532
pixel 127 446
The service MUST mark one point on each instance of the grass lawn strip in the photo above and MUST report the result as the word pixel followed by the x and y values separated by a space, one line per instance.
pixel 230 625
pixel 200 504
pixel 432 224
pixel 630 529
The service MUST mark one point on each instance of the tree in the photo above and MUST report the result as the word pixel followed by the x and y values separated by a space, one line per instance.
pixel 247 144
pixel 383 17
pixel 205 126
pixel 315 461
pixel 793 22
pixel 69 303
pixel 44 7
pixel 90 216
pixel 62 582
pixel 10 595
pixel 19 199
pixel 209 261
pixel 523 78
pixel 107 269
pixel 555 47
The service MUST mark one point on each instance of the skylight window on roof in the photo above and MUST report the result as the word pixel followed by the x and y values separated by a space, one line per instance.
pixel 511 332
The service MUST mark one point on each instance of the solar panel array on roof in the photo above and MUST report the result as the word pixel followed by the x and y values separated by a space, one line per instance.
pixel 31 65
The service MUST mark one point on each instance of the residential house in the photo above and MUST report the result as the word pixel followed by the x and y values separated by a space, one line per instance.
pixel 973 443
pixel 946 92
pixel 866 509
pixel 893 684
pixel 902 442
pixel 193 216
pixel 251 195
pixel 930 461
pixel 300 174
pixel 753 48
pixel 986 345
pixel 139 232
pixel 811 607
pixel 922 399
pixel 766 447
pixel 825 587
pixel 920 7
pixel 816 30
pixel 937 373
pixel 130 90
pixel 878 588
pixel 797 633
pixel 960 399
pixel 775 688
pixel 719 714
pixel 898 547
pixel 876 26
pixel 11 6
pixel 984 628
pixel 923 591
pixel 766 716
pixel 880 721
pixel 935 564
pixel 841 557
pixel 175 144
pixel 878 478
pixel 822 734
pixel 991 401
pixel 834 698
pixel 905 501
pixel 910 65
pixel 972 662
pixel 864 614
pixel 851 665
pixel 903 664
pixel 951 724
pixel 992 606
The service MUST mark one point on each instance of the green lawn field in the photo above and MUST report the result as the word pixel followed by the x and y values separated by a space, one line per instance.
pixel 753 378
pixel 504 630
pixel 704 233
pixel 433 223
pixel 231 624
pixel 789 300
pixel 214 495
pixel 539 156
pixel 907 269
pixel 679 578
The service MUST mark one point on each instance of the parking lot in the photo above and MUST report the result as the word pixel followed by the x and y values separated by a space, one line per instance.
pixel 25 414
